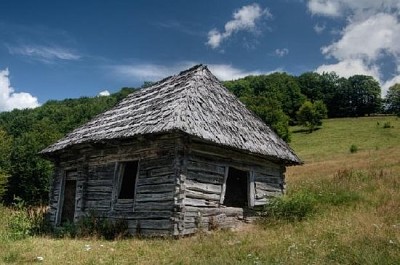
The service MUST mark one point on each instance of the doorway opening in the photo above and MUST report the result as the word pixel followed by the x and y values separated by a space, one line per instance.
pixel 236 192
pixel 68 206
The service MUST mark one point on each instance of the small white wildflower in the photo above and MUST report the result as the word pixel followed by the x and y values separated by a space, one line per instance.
pixel 39 258
pixel 87 247
pixel 391 241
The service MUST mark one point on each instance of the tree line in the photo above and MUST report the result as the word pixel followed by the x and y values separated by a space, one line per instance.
pixel 279 99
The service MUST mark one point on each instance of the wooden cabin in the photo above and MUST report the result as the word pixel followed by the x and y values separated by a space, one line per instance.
pixel 181 155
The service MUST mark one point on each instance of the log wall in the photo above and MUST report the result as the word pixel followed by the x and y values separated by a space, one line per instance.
pixel 204 185
pixel 152 211
pixel 180 186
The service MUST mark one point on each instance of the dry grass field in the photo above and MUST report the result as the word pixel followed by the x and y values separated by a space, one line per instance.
pixel 355 217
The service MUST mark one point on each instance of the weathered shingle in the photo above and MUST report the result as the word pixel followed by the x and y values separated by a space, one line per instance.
pixel 194 102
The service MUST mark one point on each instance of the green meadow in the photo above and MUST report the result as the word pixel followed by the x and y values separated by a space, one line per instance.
pixel 342 207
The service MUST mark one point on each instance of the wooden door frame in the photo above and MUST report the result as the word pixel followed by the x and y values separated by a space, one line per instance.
pixel 61 196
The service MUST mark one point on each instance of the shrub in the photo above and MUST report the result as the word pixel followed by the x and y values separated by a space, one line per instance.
pixel 93 225
pixel 27 221
pixel 291 208
pixel 353 149
pixel 387 125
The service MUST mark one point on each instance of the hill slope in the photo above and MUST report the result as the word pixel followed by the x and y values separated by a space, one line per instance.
pixel 355 219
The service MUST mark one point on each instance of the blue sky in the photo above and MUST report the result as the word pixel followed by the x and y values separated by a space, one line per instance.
pixel 68 49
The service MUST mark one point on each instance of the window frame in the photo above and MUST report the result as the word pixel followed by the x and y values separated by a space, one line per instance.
pixel 250 186
pixel 118 179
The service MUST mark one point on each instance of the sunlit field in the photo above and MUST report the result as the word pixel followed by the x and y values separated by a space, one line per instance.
pixel 355 217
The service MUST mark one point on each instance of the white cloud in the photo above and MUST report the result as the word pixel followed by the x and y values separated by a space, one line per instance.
pixel 323 7
pixel 227 72
pixel 154 72
pixel 282 52
pixel 368 41
pixel 364 8
pixel 104 93
pixel 9 99
pixel 349 67
pixel 148 72
pixel 244 19
pixel 46 54
pixel 389 83
pixel 319 28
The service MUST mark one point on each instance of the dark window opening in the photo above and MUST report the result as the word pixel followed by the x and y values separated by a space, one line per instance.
pixel 128 172
pixel 236 188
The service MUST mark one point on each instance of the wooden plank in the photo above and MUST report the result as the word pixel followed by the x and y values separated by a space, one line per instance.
pixel 164 224
pixel 166 179
pixel 267 186
pixel 154 197
pixel 267 194
pixel 202 195
pixel 203 187
pixel 157 188
pixel 228 211
pixel 205 177
pixel 214 168
pixel 199 202
pixel 153 206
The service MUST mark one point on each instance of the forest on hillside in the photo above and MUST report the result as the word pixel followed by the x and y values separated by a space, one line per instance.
pixel 279 99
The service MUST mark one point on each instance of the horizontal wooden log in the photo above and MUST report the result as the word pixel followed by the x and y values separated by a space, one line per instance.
pixel 167 179
pixel 154 197
pixel 202 195
pixel 265 176
pixel 198 166
pixel 139 215
pixel 156 188
pixel 267 186
pixel 228 211
pixel 203 187
pixel 199 202
pixel 267 194
pixel 150 224
pixel 160 171
pixel 153 206
pixel 205 177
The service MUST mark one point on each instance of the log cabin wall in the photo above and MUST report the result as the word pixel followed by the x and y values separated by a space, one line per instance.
pixel 205 178
pixel 153 209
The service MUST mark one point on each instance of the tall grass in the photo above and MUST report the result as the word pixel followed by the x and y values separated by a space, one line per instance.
pixel 340 208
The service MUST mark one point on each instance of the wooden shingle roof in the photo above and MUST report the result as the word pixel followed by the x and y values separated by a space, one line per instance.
pixel 194 102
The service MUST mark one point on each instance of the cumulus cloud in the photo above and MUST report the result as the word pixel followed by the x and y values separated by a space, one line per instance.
pixel 9 99
pixel 350 67
pixel 46 54
pixel 282 52
pixel 368 41
pixel 337 8
pixel 104 93
pixel 244 19
pixel 227 72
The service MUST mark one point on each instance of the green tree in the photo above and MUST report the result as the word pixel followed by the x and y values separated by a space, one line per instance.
pixel 365 95
pixel 5 149
pixel 310 114
pixel 392 100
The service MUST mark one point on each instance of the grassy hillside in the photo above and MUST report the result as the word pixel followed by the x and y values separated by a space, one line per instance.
pixel 355 219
